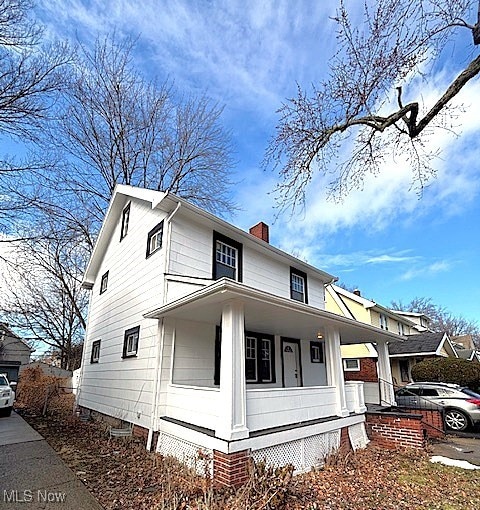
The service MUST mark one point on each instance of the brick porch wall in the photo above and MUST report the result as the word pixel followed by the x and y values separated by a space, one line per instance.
pixel 393 430
pixel 432 422
pixel 231 469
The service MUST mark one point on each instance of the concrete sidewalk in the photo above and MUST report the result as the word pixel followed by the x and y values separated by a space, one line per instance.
pixel 32 475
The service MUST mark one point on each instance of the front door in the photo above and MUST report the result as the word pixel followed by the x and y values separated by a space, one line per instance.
pixel 292 376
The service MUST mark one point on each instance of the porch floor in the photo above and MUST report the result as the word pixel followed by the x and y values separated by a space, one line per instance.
pixel 264 432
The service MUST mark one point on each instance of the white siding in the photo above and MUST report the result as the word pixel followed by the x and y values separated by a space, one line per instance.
pixel 123 388
pixel 313 374
pixel 192 255
pixel 194 360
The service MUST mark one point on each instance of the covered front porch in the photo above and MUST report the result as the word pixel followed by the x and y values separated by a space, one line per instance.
pixel 244 362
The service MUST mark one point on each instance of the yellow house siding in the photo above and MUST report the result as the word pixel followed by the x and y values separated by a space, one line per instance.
pixel 359 312
pixel 331 305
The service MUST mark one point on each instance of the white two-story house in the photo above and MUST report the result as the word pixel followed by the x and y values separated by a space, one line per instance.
pixel 210 338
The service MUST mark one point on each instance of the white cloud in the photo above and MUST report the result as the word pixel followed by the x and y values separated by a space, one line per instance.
pixel 426 271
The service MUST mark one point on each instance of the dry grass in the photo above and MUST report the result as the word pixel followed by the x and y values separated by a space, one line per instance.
pixel 122 475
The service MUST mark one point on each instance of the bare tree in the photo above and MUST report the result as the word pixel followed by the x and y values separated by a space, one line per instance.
pixel 397 41
pixel 43 297
pixel 441 319
pixel 30 74
pixel 116 127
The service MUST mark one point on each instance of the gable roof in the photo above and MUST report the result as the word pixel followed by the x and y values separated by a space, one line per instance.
pixel 340 296
pixel 5 330
pixel 422 344
pixel 170 203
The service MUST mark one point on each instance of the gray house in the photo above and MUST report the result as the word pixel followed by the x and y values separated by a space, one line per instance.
pixel 14 352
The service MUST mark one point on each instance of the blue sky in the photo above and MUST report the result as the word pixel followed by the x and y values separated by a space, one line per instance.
pixel 249 56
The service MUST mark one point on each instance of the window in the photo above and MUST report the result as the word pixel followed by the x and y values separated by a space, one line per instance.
pixel 403 364
pixel 298 285
pixel 251 358
pixel 351 365
pixel 125 218
pixel 95 356
pixel 130 342
pixel 227 258
pixel 104 283
pixel 316 352
pixel 154 241
pixel 259 357
pixel 401 328
pixel 384 322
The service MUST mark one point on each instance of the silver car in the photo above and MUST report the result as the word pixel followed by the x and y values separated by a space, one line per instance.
pixel 461 405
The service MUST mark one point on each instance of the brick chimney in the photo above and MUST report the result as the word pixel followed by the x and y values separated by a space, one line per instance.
pixel 260 230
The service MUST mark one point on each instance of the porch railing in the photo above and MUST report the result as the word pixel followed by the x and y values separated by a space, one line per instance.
pixel 354 394
pixel 274 407
pixel 193 404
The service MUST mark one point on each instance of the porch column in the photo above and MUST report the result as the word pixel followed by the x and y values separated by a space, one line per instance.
pixel 232 421
pixel 387 394
pixel 334 367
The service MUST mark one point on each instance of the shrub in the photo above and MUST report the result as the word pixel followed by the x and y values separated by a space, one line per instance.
pixel 448 370
pixel 38 393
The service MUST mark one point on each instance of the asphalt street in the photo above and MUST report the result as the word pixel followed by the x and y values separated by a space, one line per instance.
pixel 32 475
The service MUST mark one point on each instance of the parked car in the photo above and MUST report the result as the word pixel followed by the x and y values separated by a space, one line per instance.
pixel 7 396
pixel 461 405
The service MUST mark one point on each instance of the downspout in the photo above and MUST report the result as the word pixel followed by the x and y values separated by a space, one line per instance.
pixel 161 340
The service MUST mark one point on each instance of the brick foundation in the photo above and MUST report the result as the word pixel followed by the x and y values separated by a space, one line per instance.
pixel 394 430
pixel 140 432
pixel 345 444
pixel 231 469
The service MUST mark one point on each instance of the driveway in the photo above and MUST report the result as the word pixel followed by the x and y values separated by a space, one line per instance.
pixel 459 447
pixel 33 476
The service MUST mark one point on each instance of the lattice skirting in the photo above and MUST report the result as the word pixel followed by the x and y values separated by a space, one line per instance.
pixel 303 453
pixel 190 454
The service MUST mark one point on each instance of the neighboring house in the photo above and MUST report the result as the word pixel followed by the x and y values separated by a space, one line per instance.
pixel 416 348
pixel 14 352
pixel 378 384
pixel 466 348
pixel 421 321
pixel 207 337
pixel 360 364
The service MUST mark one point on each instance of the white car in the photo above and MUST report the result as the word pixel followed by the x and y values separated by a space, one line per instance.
pixel 7 396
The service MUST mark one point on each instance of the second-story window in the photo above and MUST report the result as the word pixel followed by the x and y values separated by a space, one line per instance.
pixel 384 321
pixel 298 285
pixel 154 239
pixel 95 355
pixel 125 220
pixel 104 283
pixel 401 328
pixel 130 342
pixel 227 258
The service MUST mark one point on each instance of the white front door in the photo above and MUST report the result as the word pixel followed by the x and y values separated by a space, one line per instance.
pixel 291 364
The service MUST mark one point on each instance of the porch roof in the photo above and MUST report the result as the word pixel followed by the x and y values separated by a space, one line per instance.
pixel 268 313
